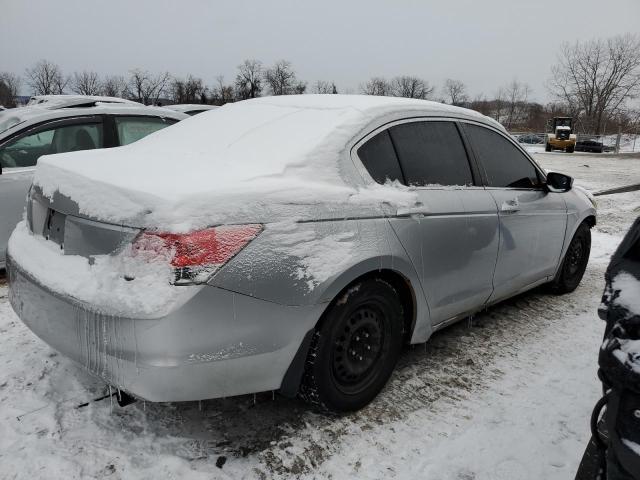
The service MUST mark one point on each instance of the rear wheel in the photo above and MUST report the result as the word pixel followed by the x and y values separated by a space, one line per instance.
pixel 355 348
pixel 574 263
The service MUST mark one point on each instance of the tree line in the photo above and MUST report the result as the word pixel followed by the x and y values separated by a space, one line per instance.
pixel 593 81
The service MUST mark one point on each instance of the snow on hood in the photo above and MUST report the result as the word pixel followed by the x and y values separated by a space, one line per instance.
pixel 243 157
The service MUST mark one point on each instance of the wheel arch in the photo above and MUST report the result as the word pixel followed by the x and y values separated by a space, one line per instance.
pixel 409 299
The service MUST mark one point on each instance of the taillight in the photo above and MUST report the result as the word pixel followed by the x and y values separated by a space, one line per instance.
pixel 197 255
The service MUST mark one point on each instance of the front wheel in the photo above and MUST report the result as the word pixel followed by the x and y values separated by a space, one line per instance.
pixel 547 147
pixel 355 348
pixel 574 263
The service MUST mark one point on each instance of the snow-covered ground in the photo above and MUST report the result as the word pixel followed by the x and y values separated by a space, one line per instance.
pixel 505 396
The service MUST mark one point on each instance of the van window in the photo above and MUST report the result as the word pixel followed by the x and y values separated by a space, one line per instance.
pixel 132 129
pixel 24 151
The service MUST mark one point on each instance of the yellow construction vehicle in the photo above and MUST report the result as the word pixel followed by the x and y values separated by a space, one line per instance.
pixel 561 136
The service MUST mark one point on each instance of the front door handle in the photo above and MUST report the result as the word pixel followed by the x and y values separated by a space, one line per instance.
pixel 510 206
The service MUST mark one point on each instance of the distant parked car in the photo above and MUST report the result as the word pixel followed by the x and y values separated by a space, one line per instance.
pixel 531 139
pixel 589 146
pixel 289 243
pixel 191 108
pixel 59 124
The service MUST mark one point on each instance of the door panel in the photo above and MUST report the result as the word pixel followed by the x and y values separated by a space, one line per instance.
pixel 532 228
pixel 532 220
pixel 452 240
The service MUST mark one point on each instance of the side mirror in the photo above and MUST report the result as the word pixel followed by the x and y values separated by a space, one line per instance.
pixel 559 182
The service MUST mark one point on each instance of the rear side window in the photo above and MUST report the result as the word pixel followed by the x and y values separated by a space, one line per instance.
pixel 504 164
pixel 132 129
pixel 379 158
pixel 431 153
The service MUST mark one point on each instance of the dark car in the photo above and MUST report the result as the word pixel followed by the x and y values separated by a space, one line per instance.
pixel 531 139
pixel 589 146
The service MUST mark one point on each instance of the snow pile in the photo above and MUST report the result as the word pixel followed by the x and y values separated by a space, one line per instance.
pixel 102 285
pixel 230 163
pixel 628 288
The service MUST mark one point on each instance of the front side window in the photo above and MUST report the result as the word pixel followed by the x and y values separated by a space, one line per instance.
pixel 431 153
pixel 24 151
pixel 132 129
pixel 505 165
pixel 379 158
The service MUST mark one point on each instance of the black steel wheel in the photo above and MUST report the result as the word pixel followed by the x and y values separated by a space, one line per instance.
pixel 575 261
pixel 355 347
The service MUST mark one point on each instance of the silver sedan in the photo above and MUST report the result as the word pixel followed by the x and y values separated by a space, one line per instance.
pixel 302 242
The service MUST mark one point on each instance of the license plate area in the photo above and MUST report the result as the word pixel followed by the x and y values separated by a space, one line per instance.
pixel 54 228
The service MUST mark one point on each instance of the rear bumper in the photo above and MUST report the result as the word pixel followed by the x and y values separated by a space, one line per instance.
pixel 217 344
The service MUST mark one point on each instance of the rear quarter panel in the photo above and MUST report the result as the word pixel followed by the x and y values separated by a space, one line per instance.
pixel 310 263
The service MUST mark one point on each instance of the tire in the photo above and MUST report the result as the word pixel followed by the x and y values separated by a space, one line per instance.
pixel 355 348
pixel 574 263
pixel 570 149
pixel 547 147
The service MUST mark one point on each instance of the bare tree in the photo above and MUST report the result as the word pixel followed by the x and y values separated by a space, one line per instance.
pixel 9 87
pixel 455 92
pixel 222 93
pixel 146 88
pixel 114 86
pixel 512 103
pixel 191 90
pixel 86 83
pixel 281 79
pixel 325 87
pixel 597 77
pixel 45 78
pixel 410 87
pixel 249 79
pixel 376 86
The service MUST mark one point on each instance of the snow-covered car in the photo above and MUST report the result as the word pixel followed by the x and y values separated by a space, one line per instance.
pixel 615 423
pixel 58 124
pixel 303 241
pixel 191 108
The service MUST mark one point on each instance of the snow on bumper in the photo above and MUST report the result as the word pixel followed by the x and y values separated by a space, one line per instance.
pixel 217 344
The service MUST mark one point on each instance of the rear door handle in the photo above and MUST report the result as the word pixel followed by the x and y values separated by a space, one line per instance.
pixel 418 209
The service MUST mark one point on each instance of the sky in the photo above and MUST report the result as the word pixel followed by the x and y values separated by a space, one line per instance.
pixel 484 43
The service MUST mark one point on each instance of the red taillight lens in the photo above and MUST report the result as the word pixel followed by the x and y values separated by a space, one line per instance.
pixel 196 255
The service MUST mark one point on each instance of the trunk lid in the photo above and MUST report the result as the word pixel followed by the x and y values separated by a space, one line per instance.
pixel 58 220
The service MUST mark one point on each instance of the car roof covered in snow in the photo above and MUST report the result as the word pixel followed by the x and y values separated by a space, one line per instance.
pixel 63 101
pixel 292 147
